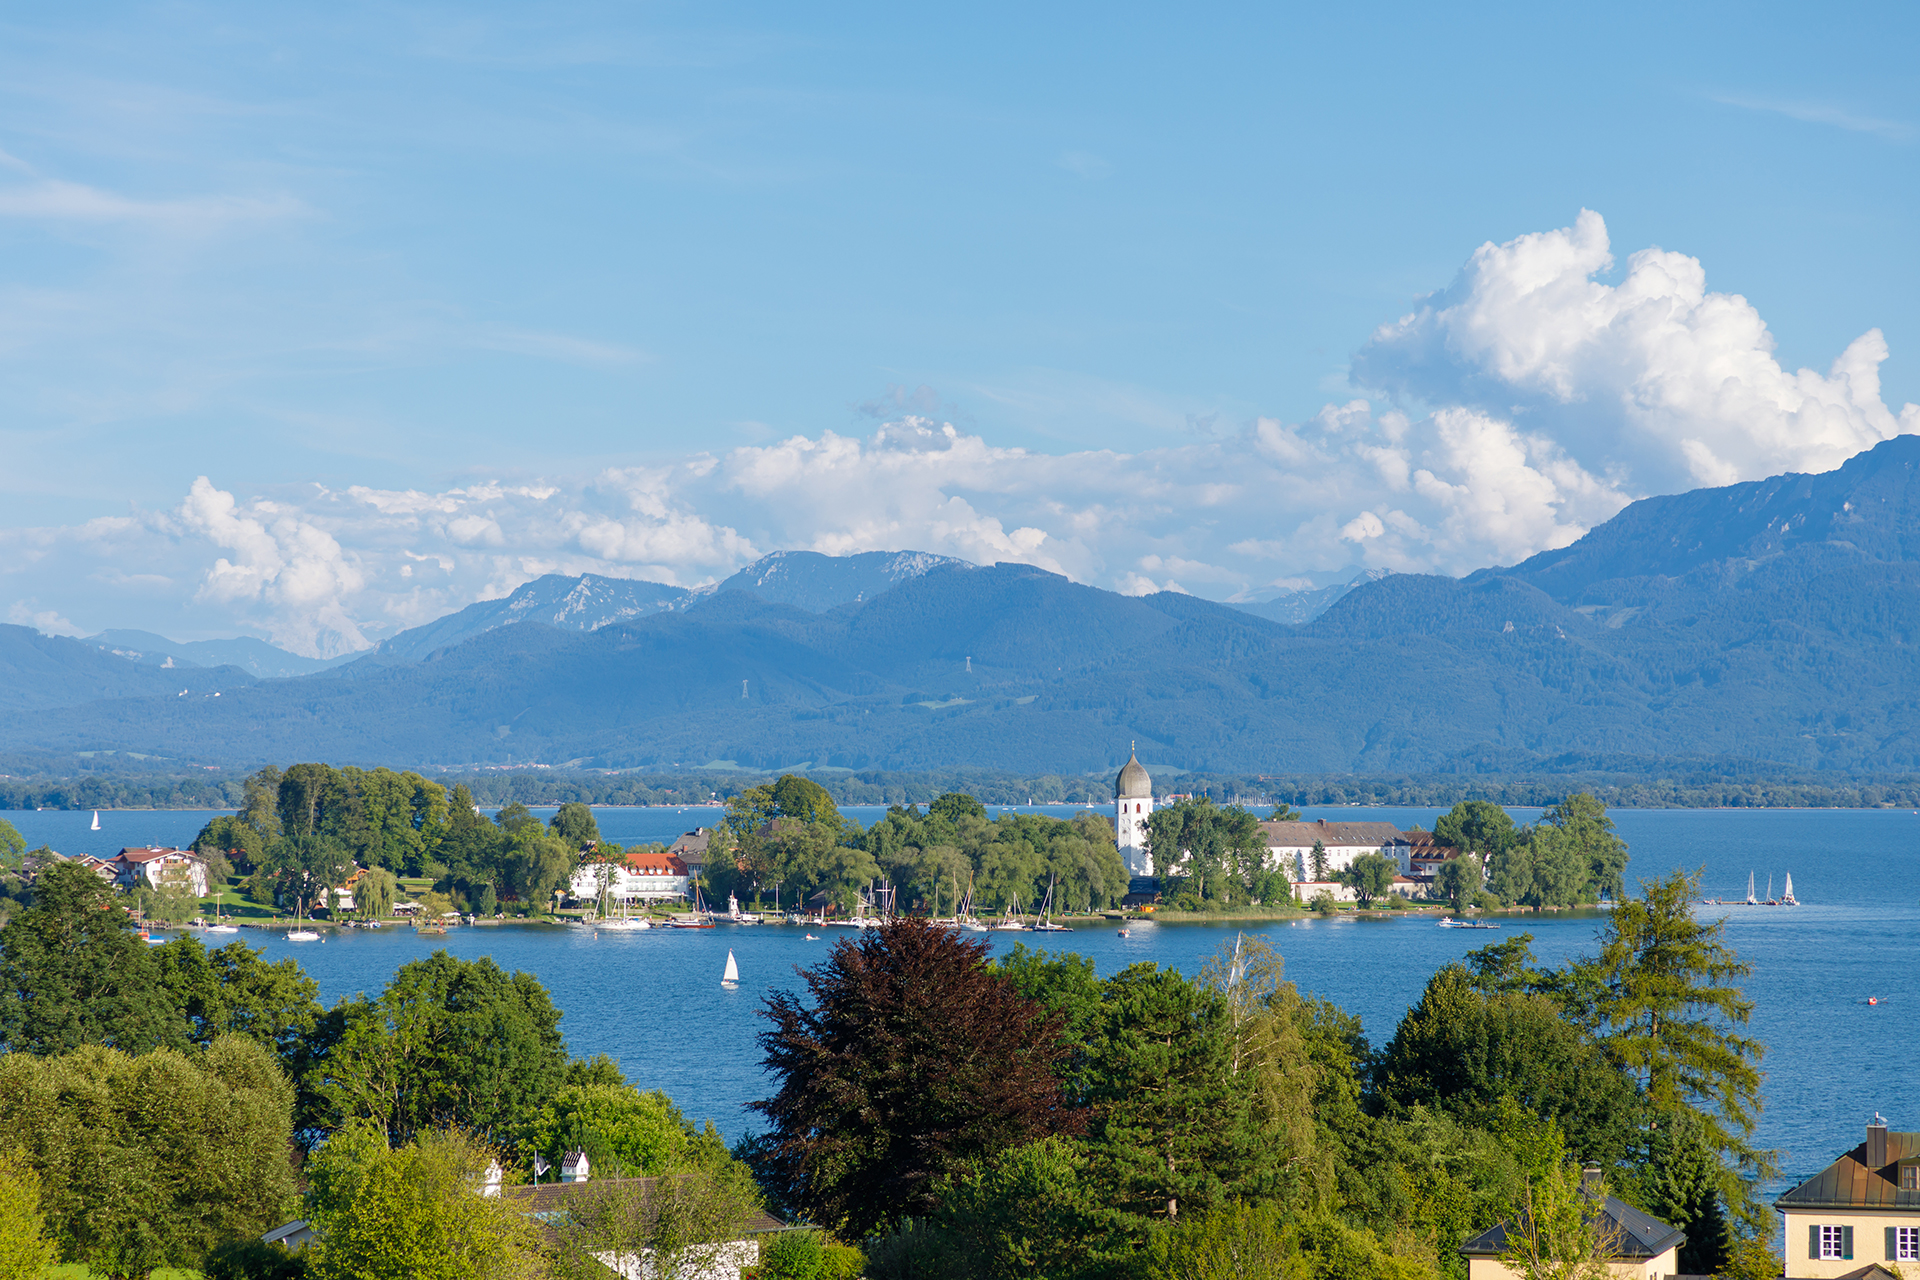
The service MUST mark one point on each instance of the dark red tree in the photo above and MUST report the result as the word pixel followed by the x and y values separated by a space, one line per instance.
pixel 914 1057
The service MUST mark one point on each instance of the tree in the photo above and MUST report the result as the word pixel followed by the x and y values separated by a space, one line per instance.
pixel 1465 1052
pixel 149 1161
pixel 1458 880
pixel 1029 1211
pixel 1588 832
pixel 1370 876
pixel 955 805
pixel 232 991
pixel 685 1224
pixel 1168 1131
pixel 449 1042
pixel 625 1133
pixel 574 823
pixel 914 1058
pixel 308 866
pixel 13 846
pixel 25 1250
pixel 262 808
pixel 1669 1011
pixel 1223 848
pixel 374 894
pixel 1242 1241
pixel 1475 826
pixel 73 971
pixel 1680 1184
pixel 1317 861
pixel 413 1213
pixel 229 835
pixel 1556 1235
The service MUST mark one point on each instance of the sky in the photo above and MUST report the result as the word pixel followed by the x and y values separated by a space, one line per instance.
pixel 320 321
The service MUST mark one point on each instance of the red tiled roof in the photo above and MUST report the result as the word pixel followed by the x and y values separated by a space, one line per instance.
pixel 646 862
pixel 151 854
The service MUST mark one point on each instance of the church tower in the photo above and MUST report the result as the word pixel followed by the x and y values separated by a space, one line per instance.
pixel 1133 801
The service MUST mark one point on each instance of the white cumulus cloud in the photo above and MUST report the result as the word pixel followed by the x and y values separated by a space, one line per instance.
pixel 1507 414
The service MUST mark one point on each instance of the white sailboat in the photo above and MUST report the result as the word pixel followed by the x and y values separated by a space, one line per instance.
pixel 731 978
pixel 96 820
pixel 1786 896
pixel 1011 920
pixel 1751 900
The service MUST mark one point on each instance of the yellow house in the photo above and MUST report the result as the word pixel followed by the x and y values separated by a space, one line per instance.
pixel 1860 1216
pixel 1641 1247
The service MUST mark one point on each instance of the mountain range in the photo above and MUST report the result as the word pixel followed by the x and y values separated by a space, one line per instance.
pixel 1776 621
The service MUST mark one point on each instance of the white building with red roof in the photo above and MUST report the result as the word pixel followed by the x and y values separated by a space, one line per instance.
pixel 155 867
pixel 639 875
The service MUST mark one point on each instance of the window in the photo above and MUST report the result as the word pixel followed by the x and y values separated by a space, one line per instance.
pixel 1906 1243
pixel 1832 1242
pixel 1910 1177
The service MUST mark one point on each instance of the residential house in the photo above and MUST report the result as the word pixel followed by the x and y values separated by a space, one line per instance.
pixel 639 875
pixel 692 847
pixel 39 860
pixel 1860 1216
pixel 1638 1246
pixel 1290 844
pixel 159 866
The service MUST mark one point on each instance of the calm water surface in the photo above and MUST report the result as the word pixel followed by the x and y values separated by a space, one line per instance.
pixel 653 1000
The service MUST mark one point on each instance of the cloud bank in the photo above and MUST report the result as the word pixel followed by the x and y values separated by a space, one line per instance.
pixel 1504 415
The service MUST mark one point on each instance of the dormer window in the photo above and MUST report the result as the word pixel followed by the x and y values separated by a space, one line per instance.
pixel 1910 1177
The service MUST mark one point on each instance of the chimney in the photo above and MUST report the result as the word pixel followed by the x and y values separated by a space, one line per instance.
pixel 1590 1179
pixel 1876 1142
pixel 575 1167
pixel 490 1185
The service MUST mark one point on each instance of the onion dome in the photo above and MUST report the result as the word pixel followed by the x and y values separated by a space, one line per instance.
pixel 1134 784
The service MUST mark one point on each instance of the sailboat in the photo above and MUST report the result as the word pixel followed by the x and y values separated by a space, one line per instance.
pixel 219 925
pixel 1011 920
pixel 964 915
pixel 1045 923
pixel 300 932
pixel 96 820
pixel 1786 896
pixel 731 978
pixel 1751 900
pixel 700 919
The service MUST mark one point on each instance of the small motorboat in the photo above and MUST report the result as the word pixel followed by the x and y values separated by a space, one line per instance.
pixel 1123 933
pixel 811 938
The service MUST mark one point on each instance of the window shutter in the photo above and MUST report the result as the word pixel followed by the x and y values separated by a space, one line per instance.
pixel 1846 1242
pixel 1893 1244
pixel 1813 1243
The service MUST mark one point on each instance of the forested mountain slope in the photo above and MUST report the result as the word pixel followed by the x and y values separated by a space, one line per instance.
pixel 1764 622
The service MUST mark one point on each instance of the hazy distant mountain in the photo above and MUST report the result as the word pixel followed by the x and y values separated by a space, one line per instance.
pixel 1296 607
pixel 805 579
pixel 256 657
pixel 1778 621
pixel 815 582
pixel 39 671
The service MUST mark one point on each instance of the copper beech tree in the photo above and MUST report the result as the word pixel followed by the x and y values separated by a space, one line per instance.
pixel 913 1057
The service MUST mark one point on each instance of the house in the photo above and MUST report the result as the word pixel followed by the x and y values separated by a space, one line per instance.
pixel 158 866
pixel 39 859
pixel 692 847
pixel 343 895
pixel 552 1204
pixel 639 875
pixel 1639 1247
pixel 1860 1216
pixel 1290 844
pixel 1419 854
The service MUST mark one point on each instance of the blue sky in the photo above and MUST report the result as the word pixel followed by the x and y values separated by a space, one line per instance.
pixel 653 289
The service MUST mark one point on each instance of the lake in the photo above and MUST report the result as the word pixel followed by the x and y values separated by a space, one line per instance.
pixel 653 1000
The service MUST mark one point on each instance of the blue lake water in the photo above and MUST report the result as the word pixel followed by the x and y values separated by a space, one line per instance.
pixel 653 1000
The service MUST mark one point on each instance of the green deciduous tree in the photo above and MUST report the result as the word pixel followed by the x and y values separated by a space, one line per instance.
pixel 414 1213
pixel 449 1042
pixel 1223 847
pixel 25 1248
pixel 1458 880
pixel 1370 876
pixel 73 971
pixel 913 1058
pixel 1476 826
pixel 684 1224
pixel 13 846
pixel 625 1133
pixel 150 1160
pixel 232 837
pixel 574 823
pixel 232 991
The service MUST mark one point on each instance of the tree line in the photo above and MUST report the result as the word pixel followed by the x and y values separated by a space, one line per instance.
pixel 967 1117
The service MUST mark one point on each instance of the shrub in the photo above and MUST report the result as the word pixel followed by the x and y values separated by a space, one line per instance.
pixel 253 1260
